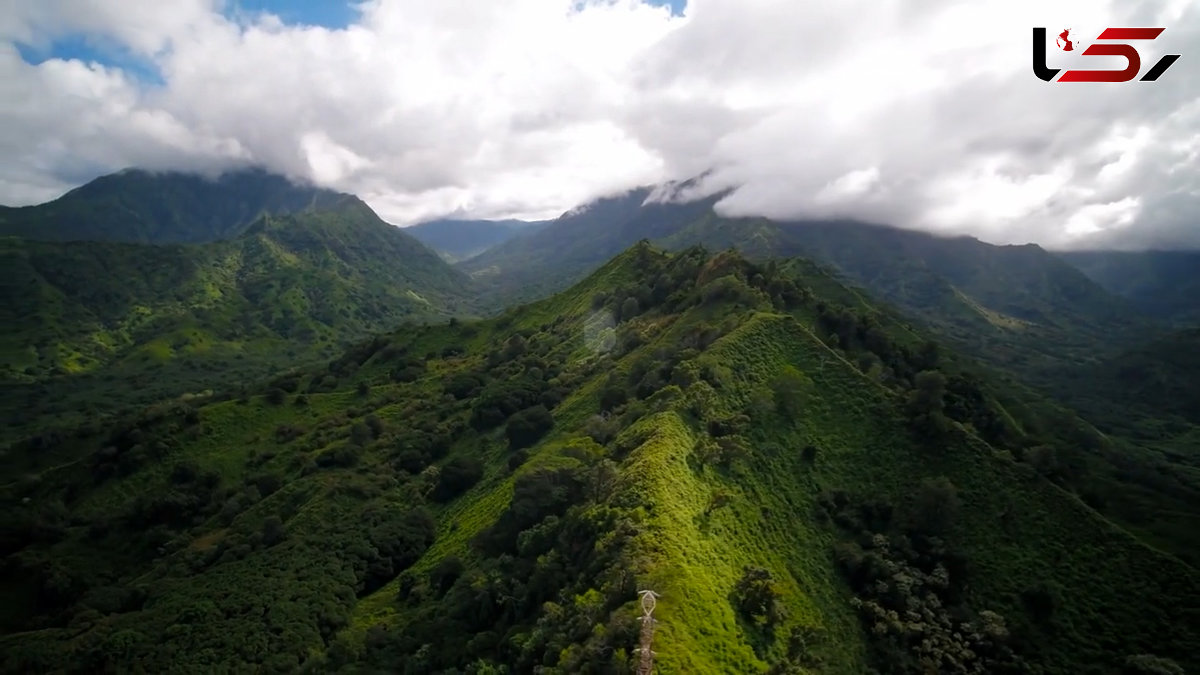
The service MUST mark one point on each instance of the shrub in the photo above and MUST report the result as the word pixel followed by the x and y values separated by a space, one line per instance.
pixel 756 597
pixel 360 434
pixel 463 385
pixel 286 433
pixel 456 477
pixel 528 426
pixel 272 531
pixel 613 395
pixel 629 308
pixel 516 459
pixel 601 428
pixel 443 576
pixel 375 425
pixel 937 505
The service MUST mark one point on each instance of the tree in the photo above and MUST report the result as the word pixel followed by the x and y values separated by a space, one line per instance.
pixel 936 507
pixel 756 596
pixel 516 346
pixel 463 385
pixel 602 428
pixel 276 396
pixel 443 576
pixel 929 392
pixel 516 459
pixel 613 395
pixel 602 480
pixel 629 308
pixel 789 388
pixel 926 403
pixel 272 531
pixel 376 425
pixel 360 434
pixel 456 477
pixel 528 426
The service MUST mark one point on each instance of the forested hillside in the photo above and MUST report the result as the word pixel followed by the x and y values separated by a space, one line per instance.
pixel 94 327
pixel 810 485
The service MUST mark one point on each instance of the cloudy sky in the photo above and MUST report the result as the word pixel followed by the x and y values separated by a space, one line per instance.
pixel 919 113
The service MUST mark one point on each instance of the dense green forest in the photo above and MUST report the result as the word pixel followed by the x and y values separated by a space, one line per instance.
pixel 840 448
pixel 98 327
pixel 785 470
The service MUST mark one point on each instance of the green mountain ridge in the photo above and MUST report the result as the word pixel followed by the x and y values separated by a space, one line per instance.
pixel 1019 306
pixel 803 479
pixel 102 325
pixel 140 206
pixel 1163 283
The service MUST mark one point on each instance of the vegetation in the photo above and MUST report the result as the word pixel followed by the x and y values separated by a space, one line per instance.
pixel 810 481
pixel 148 207
pixel 490 495
pixel 100 327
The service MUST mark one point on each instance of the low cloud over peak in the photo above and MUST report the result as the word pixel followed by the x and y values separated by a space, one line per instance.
pixel 923 114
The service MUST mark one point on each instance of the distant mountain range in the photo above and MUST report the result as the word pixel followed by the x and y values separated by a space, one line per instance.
pixel 1164 284
pixel 1065 322
pixel 457 240
pixel 972 292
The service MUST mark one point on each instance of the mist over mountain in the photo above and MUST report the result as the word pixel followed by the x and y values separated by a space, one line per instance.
pixel 927 117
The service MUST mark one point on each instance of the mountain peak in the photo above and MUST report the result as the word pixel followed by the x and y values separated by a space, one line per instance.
pixel 158 207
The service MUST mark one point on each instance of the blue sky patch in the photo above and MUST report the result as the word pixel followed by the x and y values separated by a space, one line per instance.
pixel 89 48
pixel 326 13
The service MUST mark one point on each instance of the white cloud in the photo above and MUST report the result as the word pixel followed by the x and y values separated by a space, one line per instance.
pixel 919 113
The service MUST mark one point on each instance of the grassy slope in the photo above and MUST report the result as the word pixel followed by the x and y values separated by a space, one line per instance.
pixel 696 559
pixel 1038 322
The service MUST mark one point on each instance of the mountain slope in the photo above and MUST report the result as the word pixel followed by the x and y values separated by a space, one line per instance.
pixel 1147 392
pixel 1015 305
pixel 461 239
pixel 164 320
pixel 785 469
pixel 1162 283
pixel 568 248
pixel 162 207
